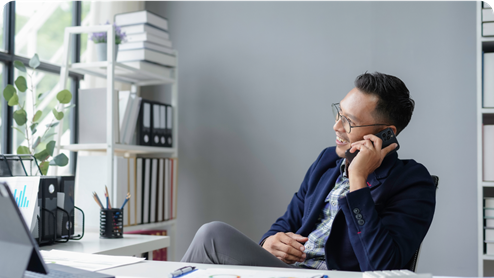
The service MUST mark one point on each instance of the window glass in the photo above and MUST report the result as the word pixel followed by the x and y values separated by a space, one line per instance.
pixel 39 28
pixel 1 106
pixel 85 17
pixel 2 11
pixel 44 83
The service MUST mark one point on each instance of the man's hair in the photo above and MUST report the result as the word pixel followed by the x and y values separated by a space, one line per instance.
pixel 394 104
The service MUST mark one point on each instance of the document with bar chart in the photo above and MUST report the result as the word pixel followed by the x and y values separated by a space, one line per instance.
pixel 25 192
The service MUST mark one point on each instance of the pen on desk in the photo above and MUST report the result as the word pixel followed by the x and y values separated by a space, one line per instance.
pixel 182 271
pixel 108 203
pixel 96 198
pixel 126 200
pixel 106 197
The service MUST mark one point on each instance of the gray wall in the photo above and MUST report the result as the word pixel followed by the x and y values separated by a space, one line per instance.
pixel 256 81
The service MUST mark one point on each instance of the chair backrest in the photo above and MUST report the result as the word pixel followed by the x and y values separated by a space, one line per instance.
pixel 412 264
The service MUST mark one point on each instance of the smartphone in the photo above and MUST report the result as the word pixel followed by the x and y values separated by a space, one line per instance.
pixel 387 136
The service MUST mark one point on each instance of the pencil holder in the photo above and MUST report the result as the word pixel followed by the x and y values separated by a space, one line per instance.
pixel 111 223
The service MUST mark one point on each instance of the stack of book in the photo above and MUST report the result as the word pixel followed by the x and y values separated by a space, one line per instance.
pixel 487 20
pixel 489 225
pixel 147 45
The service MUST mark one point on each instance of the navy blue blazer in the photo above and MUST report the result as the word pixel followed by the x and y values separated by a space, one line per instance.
pixel 379 227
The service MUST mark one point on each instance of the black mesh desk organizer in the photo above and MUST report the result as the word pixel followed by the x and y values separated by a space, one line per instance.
pixel 47 219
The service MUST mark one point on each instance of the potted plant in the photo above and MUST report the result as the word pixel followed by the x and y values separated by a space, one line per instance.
pixel 39 145
pixel 100 39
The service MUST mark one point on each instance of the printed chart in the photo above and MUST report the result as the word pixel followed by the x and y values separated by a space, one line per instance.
pixel 25 192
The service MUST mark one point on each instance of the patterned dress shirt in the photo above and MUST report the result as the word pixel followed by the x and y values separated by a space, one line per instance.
pixel 314 247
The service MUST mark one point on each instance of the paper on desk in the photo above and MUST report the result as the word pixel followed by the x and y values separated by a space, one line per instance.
pixel 90 262
pixel 243 273
pixel 25 193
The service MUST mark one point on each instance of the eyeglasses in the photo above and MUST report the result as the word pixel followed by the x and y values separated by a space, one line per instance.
pixel 344 120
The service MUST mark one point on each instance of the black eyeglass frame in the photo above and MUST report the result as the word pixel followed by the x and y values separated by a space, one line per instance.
pixel 337 116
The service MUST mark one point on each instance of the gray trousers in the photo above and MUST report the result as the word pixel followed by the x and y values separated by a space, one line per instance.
pixel 219 243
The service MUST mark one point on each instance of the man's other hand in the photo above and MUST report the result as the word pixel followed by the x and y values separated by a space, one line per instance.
pixel 287 247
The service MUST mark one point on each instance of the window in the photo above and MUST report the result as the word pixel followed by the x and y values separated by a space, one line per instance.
pixel 1 107
pixel 37 27
pixel 2 46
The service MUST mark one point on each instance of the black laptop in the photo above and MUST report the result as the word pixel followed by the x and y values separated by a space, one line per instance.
pixel 19 253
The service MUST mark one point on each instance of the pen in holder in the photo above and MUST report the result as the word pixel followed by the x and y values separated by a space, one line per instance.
pixel 111 223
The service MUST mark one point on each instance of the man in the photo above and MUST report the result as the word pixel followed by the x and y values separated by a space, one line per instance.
pixel 370 214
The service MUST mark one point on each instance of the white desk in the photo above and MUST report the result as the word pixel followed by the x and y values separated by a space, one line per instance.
pixel 129 245
pixel 162 269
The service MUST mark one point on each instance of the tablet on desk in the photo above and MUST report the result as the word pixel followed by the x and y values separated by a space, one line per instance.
pixel 19 253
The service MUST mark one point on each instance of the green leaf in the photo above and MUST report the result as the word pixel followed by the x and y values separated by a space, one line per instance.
pixel 42 155
pixel 64 96
pixel 60 160
pixel 9 92
pixel 50 147
pixel 68 107
pixel 19 65
pixel 20 117
pixel 34 62
pixel 21 83
pixel 43 167
pixel 39 96
pixel 37 116
pixel 23 150
pixel 33 127
pixel 52 124
pixel 58 115
pixel 14 100
pixel 36 143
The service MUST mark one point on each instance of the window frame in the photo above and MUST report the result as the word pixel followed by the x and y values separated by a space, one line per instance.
pixel 8 57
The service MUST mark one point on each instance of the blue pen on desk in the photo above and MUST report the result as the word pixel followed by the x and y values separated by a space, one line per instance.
pixel 126 200
pixel 107 201
pixel 182 271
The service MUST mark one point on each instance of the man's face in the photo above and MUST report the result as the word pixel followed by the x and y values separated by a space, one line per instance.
pixel 357 107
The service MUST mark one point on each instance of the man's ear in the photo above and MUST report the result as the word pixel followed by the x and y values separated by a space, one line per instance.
pixel 393 128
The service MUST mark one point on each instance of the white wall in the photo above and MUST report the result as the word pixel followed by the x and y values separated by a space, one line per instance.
pixel 256 81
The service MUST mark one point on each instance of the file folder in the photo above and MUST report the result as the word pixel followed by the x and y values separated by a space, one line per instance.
pixel 145 123
pixel 163 125
pixel 153 192
pixel 146 191
pixel 156 130
pixel 169 126
pixel 139 191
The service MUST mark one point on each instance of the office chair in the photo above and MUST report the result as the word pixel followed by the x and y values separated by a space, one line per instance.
pixel 413 262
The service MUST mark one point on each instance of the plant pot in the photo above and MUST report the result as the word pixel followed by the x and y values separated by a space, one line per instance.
pixel 101 51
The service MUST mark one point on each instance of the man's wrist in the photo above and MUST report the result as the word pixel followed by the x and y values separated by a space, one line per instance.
pixel 264 240
pixel 357 182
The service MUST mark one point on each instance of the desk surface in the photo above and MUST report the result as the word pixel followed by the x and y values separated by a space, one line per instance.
pixel 162 269
pixel 129 245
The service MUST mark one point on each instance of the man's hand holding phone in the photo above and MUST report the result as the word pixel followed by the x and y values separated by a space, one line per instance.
pixel 288 247
pixel 371 152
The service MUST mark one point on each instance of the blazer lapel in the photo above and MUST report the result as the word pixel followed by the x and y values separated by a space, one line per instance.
pixel 374 179
pixel 325 185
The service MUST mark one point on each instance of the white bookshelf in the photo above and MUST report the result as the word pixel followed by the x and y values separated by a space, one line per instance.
pixel 123 73
pixel 121 149
pixel 113 72
pixel 484 115
pixel 152 226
